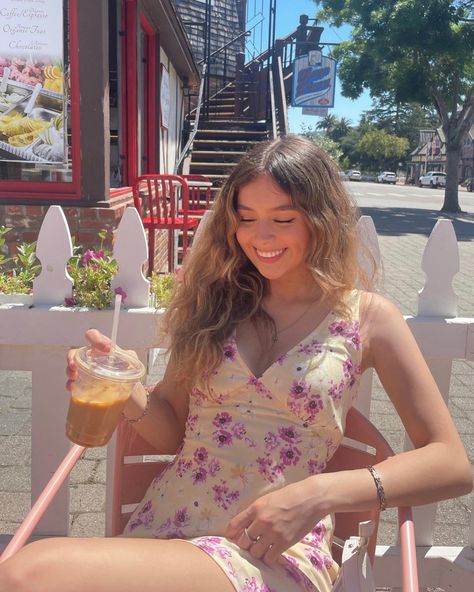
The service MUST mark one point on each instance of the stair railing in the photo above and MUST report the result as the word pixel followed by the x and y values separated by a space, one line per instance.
pixel 189 144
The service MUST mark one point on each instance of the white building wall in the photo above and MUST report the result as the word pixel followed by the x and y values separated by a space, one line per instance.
pixel 170 139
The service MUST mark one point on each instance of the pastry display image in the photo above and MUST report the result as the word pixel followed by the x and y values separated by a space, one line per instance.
pixel 31 110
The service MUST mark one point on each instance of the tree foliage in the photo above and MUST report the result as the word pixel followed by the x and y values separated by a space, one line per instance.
pixel 329 146
pixel 421 51
pixel 384 149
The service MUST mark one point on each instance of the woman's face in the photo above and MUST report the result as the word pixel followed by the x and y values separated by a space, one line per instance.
pixel 271 232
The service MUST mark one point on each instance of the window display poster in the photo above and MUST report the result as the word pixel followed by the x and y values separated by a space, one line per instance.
pixel 314 81
pixel 165 97
pixel 32 97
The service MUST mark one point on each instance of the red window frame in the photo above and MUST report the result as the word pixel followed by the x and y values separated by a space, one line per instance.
pixel 150 93
pixel 58 190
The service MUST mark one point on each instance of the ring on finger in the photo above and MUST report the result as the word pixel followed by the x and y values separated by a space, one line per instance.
pixel 250 538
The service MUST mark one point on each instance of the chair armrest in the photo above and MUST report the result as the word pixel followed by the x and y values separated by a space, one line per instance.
pixel 408 550
pixel 42 503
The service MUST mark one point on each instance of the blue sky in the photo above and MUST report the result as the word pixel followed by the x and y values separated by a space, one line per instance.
pixel 287 17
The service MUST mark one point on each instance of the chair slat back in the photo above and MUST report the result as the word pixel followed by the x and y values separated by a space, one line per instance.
pixel 137 463
pixel 195 193
pixel 157 196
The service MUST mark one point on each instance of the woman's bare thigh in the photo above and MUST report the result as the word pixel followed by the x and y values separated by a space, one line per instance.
pixel 112 565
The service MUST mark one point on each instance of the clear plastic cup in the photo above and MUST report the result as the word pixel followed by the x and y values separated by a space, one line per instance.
pixel 103 385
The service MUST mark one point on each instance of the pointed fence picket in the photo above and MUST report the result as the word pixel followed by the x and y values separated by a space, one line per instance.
pixel 36 338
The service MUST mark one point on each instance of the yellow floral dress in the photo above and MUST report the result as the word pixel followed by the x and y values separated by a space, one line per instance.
pixel 251 435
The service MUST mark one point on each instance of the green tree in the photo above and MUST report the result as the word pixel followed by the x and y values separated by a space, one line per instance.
pixel 329 146
pixel 384 149
pixel 421 50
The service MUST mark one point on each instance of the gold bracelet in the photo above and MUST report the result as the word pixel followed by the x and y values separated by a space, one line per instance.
pixel 144 412
pixel 379 486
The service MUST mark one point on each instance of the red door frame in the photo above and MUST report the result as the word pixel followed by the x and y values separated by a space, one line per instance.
pixel 150 93
pixel 129 90
pixel 70 190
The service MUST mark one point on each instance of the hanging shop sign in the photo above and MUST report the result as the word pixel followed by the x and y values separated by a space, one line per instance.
pixel 314 80
pixel 32 96
pixel 316 111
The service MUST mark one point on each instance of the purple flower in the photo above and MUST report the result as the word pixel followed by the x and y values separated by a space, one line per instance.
pixel 353 339
pixel 222 437
pixel 70 301
pixel 338 328
pixel 199 475
pixel 122 293
pixel 222 420
pixel 238 430
pixel 214 467
pixel 182 517
pixel 223 496
pixel 299 389
pixel 289 434
pixel 88 255
pixel 290 455
pixel 271 441
pixel 201 455
pixel 313 405
pixel 315 467
pixel 259 387
pixel 230 351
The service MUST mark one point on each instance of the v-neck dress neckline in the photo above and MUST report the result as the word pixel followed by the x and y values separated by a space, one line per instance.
pixel 318 327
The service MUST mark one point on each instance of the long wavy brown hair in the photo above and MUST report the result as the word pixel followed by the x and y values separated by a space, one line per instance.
pixel 220 288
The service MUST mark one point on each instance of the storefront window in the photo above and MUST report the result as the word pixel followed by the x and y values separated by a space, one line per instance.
pixel 116 151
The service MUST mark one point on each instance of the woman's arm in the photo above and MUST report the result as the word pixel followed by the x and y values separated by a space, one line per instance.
pixel 163 416
pixel 438 467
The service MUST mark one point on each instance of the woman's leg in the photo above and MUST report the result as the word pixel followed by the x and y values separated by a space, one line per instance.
pixel 112 565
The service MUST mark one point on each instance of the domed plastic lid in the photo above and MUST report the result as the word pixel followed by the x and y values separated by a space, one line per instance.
pixel 119 366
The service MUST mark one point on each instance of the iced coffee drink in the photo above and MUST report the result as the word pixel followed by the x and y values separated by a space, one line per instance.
pixel 103 386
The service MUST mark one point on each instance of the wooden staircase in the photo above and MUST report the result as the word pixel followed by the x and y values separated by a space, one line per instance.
pixel 223 138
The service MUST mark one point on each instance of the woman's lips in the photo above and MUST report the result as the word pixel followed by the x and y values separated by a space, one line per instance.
pixel 269 256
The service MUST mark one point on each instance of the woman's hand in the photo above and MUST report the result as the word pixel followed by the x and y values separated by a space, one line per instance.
pixel 97 341
pixel 276 521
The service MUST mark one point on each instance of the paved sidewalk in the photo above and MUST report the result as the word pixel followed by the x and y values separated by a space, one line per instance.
pixel 402 235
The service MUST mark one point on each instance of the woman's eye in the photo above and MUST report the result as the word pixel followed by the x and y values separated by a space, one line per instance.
pixel 247 220
pixel 284 221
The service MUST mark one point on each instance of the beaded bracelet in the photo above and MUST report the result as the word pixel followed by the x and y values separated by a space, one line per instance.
pixel 144 412
pixel 379 486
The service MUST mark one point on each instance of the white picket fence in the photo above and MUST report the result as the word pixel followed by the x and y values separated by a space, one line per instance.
pixel 35 336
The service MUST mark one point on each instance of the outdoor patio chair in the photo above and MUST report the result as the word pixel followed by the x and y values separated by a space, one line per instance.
pixel 199 194
pixel 163 204
pixel 136 464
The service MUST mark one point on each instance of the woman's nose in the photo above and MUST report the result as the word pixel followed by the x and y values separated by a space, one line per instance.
pixel 264 230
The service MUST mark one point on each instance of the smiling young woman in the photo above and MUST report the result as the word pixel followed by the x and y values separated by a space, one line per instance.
pixel 270 330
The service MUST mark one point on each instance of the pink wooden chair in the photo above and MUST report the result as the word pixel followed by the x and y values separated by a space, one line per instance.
pixel 136 463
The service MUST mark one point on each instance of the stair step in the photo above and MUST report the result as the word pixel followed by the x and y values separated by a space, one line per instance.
pixel 206 131
pixel 217 153
pixel 223 146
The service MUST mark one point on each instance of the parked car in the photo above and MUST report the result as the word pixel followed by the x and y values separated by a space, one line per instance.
pixel 387 177
pixel 354 175
pixel 432 179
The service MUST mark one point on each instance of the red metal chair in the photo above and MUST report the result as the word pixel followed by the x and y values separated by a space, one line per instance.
pixel 199 195
pixel 163 204
pixel 136 464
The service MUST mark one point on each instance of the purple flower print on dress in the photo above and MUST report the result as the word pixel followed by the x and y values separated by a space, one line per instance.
pixel 299 389
pixel 290 455
pixel 181 518
pixel 312 406
pixel 230 350
pixel 222 437
pixel 271 441
pixel 353 340
pixel 316 559
pixel 222 420
pixel 335 391
pixel 268 469
pixel 223 496
pixel 251 585
pixel 240 432
pixel 315 536
pixel 351 371
pixel 315 466
pixel 259 387
pixel 213 546
pixel 214 467
pixel 289 434
pixel 201 455
pixel 144 518
pixel 293 572
pixel 183 466
pixel 191 422
pixel 199 475
pixel 311 348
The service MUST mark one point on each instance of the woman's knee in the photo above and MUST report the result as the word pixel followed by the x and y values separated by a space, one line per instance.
pixel 32 568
